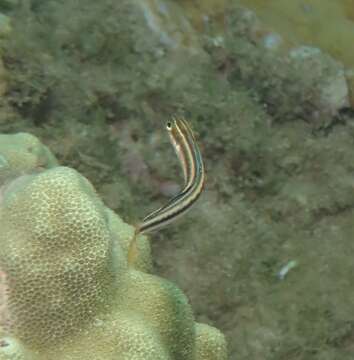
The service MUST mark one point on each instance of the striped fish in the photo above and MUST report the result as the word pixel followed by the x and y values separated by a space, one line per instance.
pixel 190 158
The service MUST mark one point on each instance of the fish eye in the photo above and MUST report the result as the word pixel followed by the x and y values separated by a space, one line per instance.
pixel 169 125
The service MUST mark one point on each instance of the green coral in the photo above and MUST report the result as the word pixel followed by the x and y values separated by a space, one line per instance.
pixel 67 292
pixel 21 153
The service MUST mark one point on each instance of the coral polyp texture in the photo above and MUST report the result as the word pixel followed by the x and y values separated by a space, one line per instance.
pixel 66 290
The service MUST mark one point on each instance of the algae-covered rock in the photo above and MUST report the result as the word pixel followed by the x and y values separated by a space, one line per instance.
pixel 302 82
pixel 308 23
pixel 22 154
pixel 66 289
pixel 5 25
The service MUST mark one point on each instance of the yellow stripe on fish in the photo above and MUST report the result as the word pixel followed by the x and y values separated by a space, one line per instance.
pixel 188 153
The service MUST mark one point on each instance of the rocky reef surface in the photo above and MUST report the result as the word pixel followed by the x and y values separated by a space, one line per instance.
pixel 266 255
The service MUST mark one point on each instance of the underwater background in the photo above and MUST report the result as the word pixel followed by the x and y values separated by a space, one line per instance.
pixel 266 255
